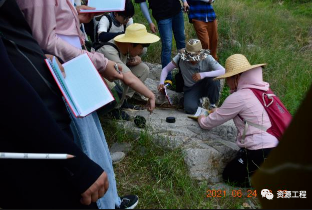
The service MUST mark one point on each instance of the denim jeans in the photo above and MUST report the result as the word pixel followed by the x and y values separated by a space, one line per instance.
pixel 89 136
pixel 174 24
pixel 206 87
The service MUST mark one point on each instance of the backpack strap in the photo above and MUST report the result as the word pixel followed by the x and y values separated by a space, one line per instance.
pixel 51 87
pixel 98 45
pixel 110 22
pixel 247 123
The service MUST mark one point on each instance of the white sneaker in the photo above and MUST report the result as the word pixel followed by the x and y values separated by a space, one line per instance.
pixel 117 157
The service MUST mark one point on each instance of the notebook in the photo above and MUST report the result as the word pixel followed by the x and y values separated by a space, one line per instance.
pixel 105 6
pixel 83 88
pixel 200 111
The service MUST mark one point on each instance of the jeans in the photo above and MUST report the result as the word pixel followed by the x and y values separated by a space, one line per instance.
pixel 174 24
pixel 206 87
pixel 89 136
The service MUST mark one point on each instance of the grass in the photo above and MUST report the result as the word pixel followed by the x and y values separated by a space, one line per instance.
pixel 160 177
pixel 278 33
pixel 275 32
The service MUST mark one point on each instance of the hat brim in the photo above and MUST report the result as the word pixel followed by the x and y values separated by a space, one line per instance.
pixel 147 39
pixel 232 73
pixel 189 57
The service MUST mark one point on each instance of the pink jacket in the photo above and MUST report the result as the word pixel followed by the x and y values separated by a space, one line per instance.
pixel 245 103
pixel 47 18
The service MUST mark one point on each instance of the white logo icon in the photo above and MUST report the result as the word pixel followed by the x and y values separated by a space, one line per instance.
pixel 264 192
pixel 269 196
pixel 267 193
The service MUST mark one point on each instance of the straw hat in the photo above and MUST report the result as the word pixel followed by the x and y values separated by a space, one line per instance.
pixel 137 33
pixel 193 51
pixel 236 64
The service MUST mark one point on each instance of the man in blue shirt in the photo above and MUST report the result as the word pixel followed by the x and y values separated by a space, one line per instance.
pixel 203 17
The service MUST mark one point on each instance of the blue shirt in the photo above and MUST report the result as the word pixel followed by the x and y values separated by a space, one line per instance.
pixel 202 11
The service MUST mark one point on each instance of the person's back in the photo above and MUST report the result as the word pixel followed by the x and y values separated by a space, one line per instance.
pixel 249 108
pixel 17 34
pixel 250 118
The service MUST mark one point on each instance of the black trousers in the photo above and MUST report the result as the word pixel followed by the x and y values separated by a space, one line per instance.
pixel 206 87
pixel 242 167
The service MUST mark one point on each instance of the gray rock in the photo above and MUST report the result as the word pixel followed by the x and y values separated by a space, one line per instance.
pixel 206 152
pixel 121 147
pixel 155 71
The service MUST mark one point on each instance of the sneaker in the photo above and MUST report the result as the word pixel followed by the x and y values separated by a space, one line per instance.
pixel 129 202
pixel 117 157
pixel 119 115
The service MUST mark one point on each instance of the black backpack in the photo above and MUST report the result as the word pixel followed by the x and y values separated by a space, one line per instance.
pixel 179 79
pixel 96 43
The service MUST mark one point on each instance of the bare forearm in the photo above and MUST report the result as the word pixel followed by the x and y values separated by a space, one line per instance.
pixel 133 82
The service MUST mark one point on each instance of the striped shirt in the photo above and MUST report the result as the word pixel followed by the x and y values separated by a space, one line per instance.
pixel 202 11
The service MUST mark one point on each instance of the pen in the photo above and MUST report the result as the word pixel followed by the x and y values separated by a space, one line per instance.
pixel 11 155
pixel 117 69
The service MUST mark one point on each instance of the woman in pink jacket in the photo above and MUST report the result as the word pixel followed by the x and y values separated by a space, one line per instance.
pixel 243 104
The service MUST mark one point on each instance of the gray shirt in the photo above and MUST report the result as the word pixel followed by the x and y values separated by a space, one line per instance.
pixel 188 69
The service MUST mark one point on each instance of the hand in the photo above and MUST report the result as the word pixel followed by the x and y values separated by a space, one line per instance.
pixel 212 110
pixel 96 190
pixel 196 77
pixel 58 62
pixel 85 17
pixel 186 6
pixel 153 28
pixel 161 87
pixel 110 72
pixel 134 61
pixel 200 117
pixel 151 104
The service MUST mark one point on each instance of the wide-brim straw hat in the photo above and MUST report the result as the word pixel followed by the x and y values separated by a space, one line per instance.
pixel 236 64
pixel 193 51
pixel 137 33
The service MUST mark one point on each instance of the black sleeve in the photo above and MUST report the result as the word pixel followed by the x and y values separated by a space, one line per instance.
pixel 27 126
pixel 106 36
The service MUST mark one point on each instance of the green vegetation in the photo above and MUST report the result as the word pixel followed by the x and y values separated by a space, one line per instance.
pixel 275 32
pixel 160 177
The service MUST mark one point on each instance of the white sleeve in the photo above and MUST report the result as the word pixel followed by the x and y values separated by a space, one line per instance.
pixel 103 25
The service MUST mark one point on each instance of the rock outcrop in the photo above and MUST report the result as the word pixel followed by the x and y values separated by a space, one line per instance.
pixel 206 152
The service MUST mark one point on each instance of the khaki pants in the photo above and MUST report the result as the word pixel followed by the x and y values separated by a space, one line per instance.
pixel 207 33
pixel 141 71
